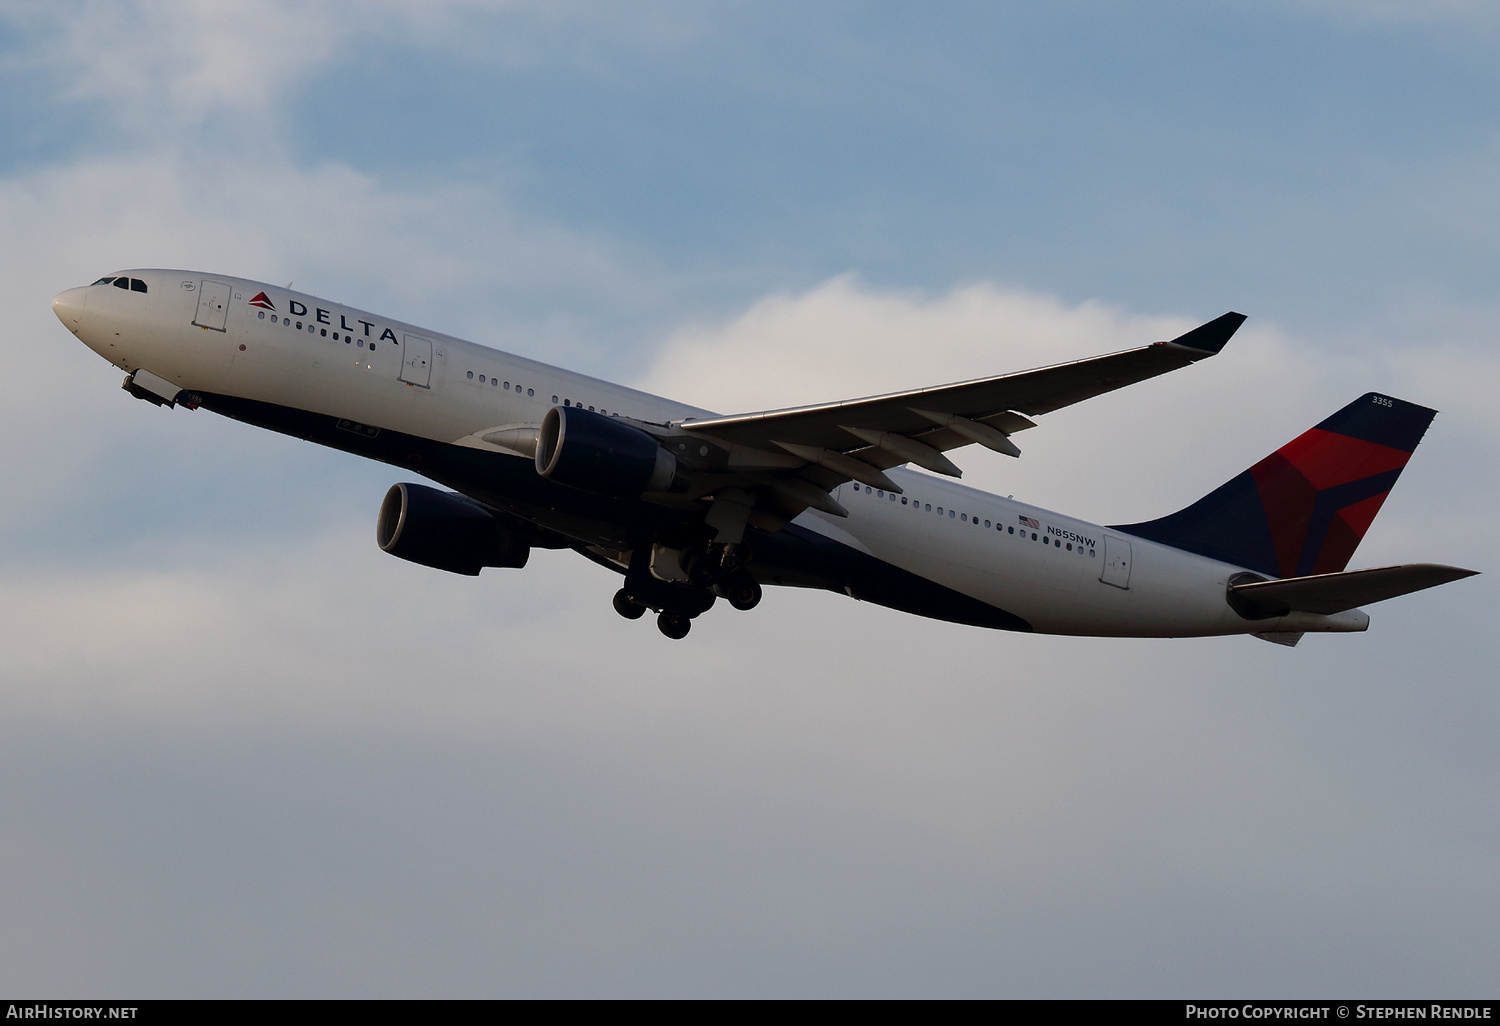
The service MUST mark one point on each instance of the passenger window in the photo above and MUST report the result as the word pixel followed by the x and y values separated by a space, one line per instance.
pixel 966 518
pixel 554 399
pixel 950 514
pixel 929 507
pixel 261 315
pixel 1010 530
pixel 531 391
pixel 494 382
pixel 986 523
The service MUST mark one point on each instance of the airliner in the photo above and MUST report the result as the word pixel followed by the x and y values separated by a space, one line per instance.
pixel 689 506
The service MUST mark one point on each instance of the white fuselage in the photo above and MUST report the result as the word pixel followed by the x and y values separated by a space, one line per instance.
pixel 1060 574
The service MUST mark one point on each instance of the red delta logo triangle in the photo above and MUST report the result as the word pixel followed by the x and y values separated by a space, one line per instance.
pixel 263 301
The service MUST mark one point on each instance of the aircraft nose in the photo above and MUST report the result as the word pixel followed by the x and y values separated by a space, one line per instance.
pixel 68 306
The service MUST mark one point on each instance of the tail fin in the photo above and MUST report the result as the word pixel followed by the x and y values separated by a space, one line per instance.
pixel 1303 509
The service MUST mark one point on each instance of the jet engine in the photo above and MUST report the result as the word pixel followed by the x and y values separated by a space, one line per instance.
pixel 601 454
pixel 445 530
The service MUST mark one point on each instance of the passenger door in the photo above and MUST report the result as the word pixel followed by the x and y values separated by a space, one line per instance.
pixel 416 361
pixel 213 305
pixel 1116 562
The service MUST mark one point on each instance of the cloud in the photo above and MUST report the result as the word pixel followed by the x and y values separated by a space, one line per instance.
pixel 162 66
pixel 165 68
pixel 790 349
pixel 311 769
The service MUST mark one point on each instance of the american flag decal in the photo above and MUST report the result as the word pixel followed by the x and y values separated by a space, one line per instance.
pixel 1032 523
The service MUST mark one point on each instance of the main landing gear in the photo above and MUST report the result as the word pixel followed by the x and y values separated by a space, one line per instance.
pixel 721 570
pixel 711 572
pixel 673 622
pixel 674 625
pixel 743 591
pixel 627 606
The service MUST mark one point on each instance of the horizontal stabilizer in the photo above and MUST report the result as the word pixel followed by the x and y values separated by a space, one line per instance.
pixel 1334 593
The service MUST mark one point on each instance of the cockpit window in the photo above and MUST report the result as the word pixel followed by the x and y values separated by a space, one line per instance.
pixel 129 284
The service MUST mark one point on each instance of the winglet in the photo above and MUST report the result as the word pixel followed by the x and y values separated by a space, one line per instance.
pixel 1211 337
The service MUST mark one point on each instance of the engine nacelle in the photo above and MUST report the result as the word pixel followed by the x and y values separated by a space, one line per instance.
pixel 601 454
pixel 445 530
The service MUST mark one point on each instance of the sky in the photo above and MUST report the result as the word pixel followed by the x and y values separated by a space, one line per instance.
pixel 244 753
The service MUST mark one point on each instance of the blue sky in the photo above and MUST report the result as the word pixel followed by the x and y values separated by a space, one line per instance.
pixel 1105 151
pixel 246 753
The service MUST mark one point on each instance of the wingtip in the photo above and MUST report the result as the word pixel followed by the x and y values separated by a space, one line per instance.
pixel 1210 338
pixel 1459 573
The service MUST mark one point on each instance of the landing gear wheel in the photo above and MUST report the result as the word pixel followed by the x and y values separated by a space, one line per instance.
pixel 627 607
pixel 743 592
pixel 674 625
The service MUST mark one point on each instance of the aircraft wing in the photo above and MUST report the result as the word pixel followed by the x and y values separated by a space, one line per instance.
pixel 858 438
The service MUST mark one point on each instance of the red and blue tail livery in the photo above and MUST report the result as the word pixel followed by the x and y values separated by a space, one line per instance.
pixel 1303 509
pixel 688 506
